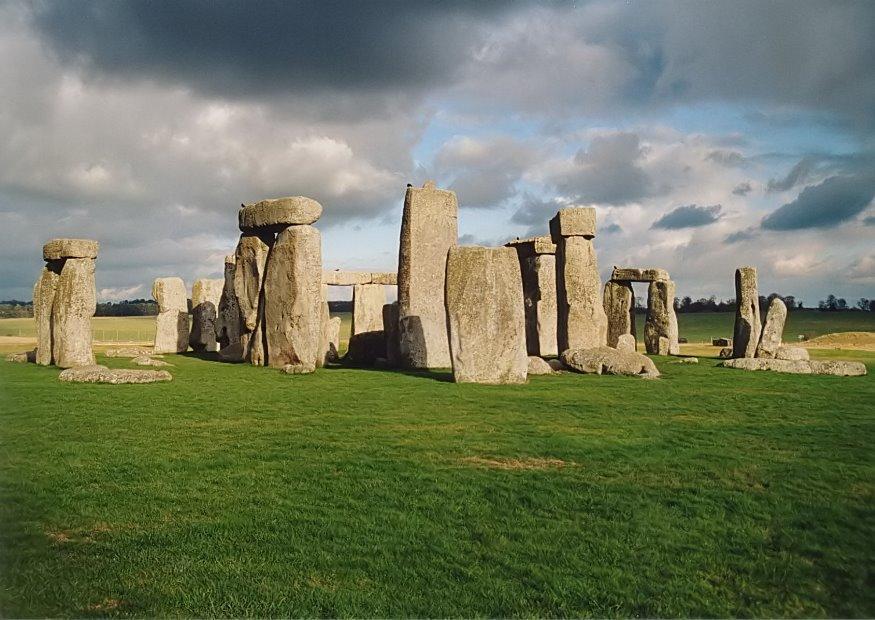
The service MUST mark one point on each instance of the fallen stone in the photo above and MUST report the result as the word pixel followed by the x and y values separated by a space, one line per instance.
pixel 487 324
pixel 573 222
pixel 582 322
pixel 145 360
pixel 128 352
pixel 687 360
pixel 278 213
pixel 22 358
pixel 298 369
pixel 791 353
pixel 557 365
pixel 43 301
pixel 70 248
pixel 661 325
pixel 538 366
pixel 367 307
pixel 838 368
pixel 773 329
pixel 250 259
pixel 619 304
pixel 631 274
pixel 605 360
pixel 751 363
pixel 746 334
pixel 74 305
pixel 205 297
pixel 626 342
pixel 102 374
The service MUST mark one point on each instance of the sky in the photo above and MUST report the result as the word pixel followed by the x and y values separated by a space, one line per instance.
pixel 707 135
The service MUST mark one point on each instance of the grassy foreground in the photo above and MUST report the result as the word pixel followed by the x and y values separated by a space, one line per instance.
pixel 239 491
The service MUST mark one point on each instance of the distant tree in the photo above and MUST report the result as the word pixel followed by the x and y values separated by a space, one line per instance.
pixel 866 305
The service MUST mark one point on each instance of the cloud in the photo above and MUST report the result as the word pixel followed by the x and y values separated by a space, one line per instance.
pixel 797 265
pixel 742 189
pixel 118 294
pixel 730 159
pixel 835 200
pixel 798 174
pixel 742 235
pixel 862 269
pixel 690 216
pixel 869 220
pixel 536 212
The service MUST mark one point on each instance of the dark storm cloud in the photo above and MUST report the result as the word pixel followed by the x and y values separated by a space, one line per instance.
pixel 742 189
pixel 835 200
pixel 690 216
pixel 798 174
pixel 235 47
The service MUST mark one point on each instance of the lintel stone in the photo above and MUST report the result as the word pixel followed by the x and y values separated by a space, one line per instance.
pixel 70 248
pixel 632 274
pixel 573 222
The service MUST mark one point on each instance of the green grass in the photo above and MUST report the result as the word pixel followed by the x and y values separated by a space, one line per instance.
pixel 239 491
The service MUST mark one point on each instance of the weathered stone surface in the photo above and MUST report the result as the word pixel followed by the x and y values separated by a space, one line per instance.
pixel 746 334
pixel 324 328
pixel 573 222
pixel 606 360
pixel 626 342
pixel 205 296
pixel 74 305
pixel 557 365
pixel 390 329
pixel 298 369
pixel 429 228
pixel 791 353
pixel 619 304
pixel 366 348
pixel 533 245
pixel 721 342
pixel 102 374
pixel 538 271
pixel 661 320
pixel 799 367
pixel 773 329
pixel 367 307
pixel 43 300
pixel 487 325
pixel 338 277
pixel 145 360
pixel 170 294
pixel 538 366
pixel 228 322
pixel 633 274
pixel 276 214
pixel 388 278
pixel 293 298
pixel 250 262
pixel 838 368
pixel 171 332
pixel 70 248
pixel 725 353
pixel 23 357
pixel 582 322
pixel 128 352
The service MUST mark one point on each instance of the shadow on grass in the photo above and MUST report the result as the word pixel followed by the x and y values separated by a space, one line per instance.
pixel 443 376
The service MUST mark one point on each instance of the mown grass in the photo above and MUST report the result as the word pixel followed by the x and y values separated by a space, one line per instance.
pixel 239 491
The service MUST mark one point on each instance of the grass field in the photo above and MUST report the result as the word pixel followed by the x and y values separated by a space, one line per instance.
pixel 239 491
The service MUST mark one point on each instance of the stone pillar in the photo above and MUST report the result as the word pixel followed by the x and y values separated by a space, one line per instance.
pixel 582 322
pixel 619 303
pixel 205 297
pixel 429 228
pixel 538 267
pixel 251 260
pixel 43 300
pixel 171 324
pixel 390 329
pixel 773 329
pixel 367 308
pixel 228 322
pixel 486 316
pixel 746 334
pixel 661 326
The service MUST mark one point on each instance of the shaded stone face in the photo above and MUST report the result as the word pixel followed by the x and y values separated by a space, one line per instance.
pixel 293 298
pixel 367 307
pixel 43 301
pixel 661 326
pixel 619 304
pixel 484 304
pixel 539 293
pixel 429 228
pixel 582 319
pixel 251 260
pixel 74 305
pixel 228 321
pixel 172 322
pixel 390 329
pixel 324 329
pixel 58 249
pixel 773 329
pixel 275 214
pixel 746 334
pixel 205 297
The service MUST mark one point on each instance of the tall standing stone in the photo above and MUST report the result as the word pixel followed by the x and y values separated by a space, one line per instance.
pixel 74 305
pixel 487 324
pixel 171 324
pixel 773 329
pixel 251 260
pixel 537 257
pixel 390 329
pixel 746 334
pixel 367 308
pixel 661 326
pixel 43 300
pixel 228 321
pixel 619 303
pixel 582 322
pixel 324 355
pixel 205 297
pixel 293 298
pixel 429 228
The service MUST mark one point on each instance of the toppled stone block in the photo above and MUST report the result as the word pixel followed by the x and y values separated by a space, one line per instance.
pixel 573 222
pixel 799 367
pixel 687 360
pixel 298 369
pixel 70 248
pixel 145 360
pixel 276 214
pixel 838 368
pixel 128 352
pixel 115 376
pixel 538 366
pixel 605 360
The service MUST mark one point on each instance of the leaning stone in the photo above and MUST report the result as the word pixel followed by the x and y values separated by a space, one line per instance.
pixel 102 374
pixel 43 301
pixel 838 368
pixel 537 366
pixel 250 259
pixel 661 322
pixel 573 222
pixel 429 227
pixel 791 353
pixel 390 328
pixel 582 322
pixel 293 298
pixel 228 319
pixel 798 367
pixel 145 360
pixel 128 352
pixel 367 307
pixel 74 305
pixel 746 334
pixel 205 297
pixel 619 304
pixel 773 329
pixel 278 213
pixel 627 343
pixel 70 248
pixel 605 360
pixel 487 324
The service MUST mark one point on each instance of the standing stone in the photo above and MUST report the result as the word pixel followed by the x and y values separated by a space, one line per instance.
pixel 74 305
pixel 746 335
pixel 619 303
pixel 661 326
pixel 582 319
pixel 390 329
pixel 773 329
pixel 487 324
pixel 367 308
pixel 324 330
pixel 228 321
pixel 171 324
pixel 626 342
pixel 251 260
pixel 293 298
pixel 205 297
pixel 43 300
pixel 429 228
pixel 333 353
pixel 537 257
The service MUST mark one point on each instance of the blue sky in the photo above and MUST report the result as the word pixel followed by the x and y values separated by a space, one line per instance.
pixel 706 135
